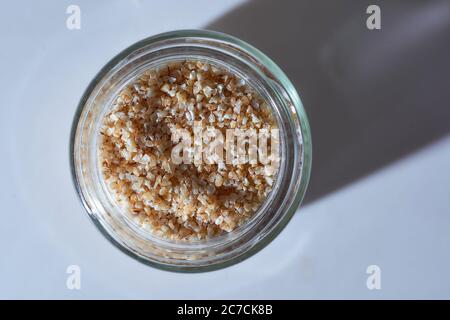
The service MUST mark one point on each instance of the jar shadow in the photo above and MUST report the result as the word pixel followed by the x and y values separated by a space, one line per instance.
pixel 372 96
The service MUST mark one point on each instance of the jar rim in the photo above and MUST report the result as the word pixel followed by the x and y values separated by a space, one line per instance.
pixel 281 80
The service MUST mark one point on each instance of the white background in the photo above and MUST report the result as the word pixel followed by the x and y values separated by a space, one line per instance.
pixel 396 217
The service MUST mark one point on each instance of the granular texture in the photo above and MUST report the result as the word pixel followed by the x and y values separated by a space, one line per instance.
pixel 189 200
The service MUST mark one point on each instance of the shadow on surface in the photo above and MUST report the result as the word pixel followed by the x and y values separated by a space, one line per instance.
pixel 371 96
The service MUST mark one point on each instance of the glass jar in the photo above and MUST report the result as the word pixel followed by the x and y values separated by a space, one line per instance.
pixel 274 213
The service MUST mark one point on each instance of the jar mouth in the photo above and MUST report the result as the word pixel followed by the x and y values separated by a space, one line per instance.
pixel 275 211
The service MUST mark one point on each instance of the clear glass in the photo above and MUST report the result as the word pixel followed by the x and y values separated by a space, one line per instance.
pixel 295 163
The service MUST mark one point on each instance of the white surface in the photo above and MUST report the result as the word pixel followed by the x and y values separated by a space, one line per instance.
pixel 397 218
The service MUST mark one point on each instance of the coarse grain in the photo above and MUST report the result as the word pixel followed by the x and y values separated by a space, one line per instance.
pixel 185 201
